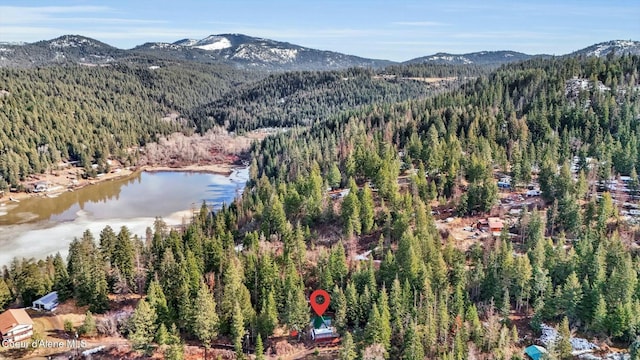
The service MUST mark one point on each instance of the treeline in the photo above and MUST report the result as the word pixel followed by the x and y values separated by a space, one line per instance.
pixel 426 70
pixel 303 98
pixel 86 114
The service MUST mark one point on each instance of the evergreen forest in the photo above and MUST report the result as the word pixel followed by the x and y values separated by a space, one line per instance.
pixel 570 125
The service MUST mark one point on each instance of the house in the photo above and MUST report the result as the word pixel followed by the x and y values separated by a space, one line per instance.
pixel 48 302
pixel 495 225
pixel 15 325
pixel 535 352
pixel 322 332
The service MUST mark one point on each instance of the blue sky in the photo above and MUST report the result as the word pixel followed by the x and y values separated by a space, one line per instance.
pixel 394 30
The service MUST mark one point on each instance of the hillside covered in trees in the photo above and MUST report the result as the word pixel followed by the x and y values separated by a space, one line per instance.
pixel 88 114
pixel 302 98
pixel 420 295
pixel 118 107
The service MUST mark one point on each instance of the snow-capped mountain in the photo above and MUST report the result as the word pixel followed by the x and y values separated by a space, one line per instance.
pixel 212 42
pixel 250 53
pixel 619 47
pixel 257 53
pixel 67 48
pixel 476 58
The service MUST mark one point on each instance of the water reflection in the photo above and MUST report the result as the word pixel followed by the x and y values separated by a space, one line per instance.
pixel 42 226
pixel 56 208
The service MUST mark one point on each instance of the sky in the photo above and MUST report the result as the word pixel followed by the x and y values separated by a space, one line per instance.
pixel 393 29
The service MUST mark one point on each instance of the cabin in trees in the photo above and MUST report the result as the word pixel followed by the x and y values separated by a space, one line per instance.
pixel 492 224
pixel 15 325
pixel 48 302
pixel 322 332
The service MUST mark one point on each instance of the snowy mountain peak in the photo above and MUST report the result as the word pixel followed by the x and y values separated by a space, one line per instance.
pixel 186 42
pixel 212 42
pixel 619 47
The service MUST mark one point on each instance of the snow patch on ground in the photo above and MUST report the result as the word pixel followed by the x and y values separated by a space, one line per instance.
pixel 613 356
pixel 164 46
pixel 578 345
pixel 69 41
pixel 222 43
pixel 462 59
pixel 285 54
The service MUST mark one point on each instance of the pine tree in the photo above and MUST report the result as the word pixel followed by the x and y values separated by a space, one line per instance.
pixel 367 212
pixel 350 213
pixel 406 258
pixel 334 177
pixel 5 294
pixel 572 296
pixel 157 300
pixel 339 305
pixel 237 330
pixel 296 309
pixel 100 302
pixel 268 318
pixel 174 352
pixel 476 330
pixel 397 308
pixel 563 344
pixel 374 329
pixel 599 320
pixel 365 304
pixel 205 319
pixel 108 241
pixel 338 263
pixel 235 291
pixel 259 349
pixel 61 281
pixel 124 254
pixel 413 349
pixel 142 325
pixel 351 296
pixel 88 325
pixel 162 335
pixel 385 318
pixel 348 350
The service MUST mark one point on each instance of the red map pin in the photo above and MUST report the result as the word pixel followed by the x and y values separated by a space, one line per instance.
pixel 319 308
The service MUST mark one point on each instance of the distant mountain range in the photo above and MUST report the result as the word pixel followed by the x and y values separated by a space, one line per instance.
pixel 475 58
pixel 250 53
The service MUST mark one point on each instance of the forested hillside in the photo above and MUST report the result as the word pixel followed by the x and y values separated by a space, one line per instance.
pixel 117 107
pixel 86 114
pixel 421 295
pixel 302 98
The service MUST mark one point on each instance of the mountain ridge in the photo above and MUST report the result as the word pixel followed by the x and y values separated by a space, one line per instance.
pixel 250 52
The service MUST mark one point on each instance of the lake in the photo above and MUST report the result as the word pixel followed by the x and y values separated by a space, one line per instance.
pixel 37 227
